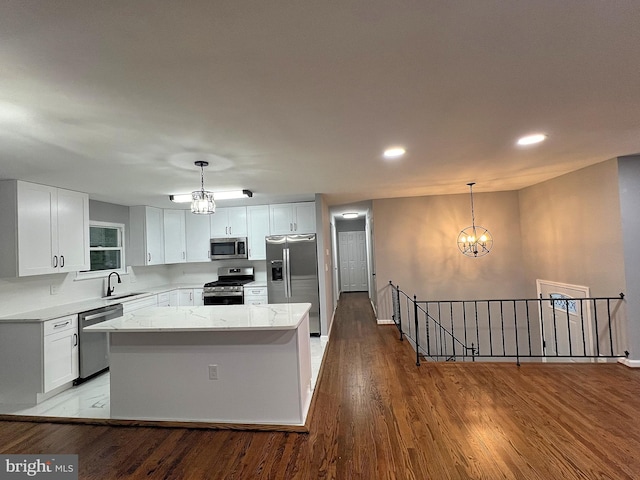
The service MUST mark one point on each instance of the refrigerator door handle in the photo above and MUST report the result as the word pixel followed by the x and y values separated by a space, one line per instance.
pixel 287 273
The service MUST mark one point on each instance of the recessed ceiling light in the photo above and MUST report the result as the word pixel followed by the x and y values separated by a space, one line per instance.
pixel 350 215
pixel 532 139
pixel 394 152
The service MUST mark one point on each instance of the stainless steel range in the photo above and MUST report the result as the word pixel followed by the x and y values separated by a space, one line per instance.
pixel 228 289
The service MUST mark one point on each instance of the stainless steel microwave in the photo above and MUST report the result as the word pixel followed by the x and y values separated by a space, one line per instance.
pixel 229 248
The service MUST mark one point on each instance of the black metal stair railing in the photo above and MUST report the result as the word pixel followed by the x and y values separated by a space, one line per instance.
pixel 541 329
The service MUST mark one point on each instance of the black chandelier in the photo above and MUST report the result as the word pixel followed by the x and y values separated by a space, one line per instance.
pixel 474 241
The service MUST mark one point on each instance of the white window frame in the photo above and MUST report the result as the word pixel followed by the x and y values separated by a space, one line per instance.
pixel 123 265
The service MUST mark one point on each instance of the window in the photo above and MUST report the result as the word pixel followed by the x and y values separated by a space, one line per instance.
pixel 106 248
pixel 564 302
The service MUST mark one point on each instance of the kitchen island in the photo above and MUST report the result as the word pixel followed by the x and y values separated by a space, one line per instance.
pixel 234 364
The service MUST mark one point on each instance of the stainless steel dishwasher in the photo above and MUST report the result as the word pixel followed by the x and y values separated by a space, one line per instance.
pixel 94 346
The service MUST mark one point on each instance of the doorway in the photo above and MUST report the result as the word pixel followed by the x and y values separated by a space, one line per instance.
pixel 352 258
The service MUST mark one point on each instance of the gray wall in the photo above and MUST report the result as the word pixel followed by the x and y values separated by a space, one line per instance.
pixel 629 177
pixel 572 230
pixel 416 247
pixel 569 229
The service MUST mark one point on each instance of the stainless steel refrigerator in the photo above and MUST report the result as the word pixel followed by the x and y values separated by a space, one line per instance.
pixel 292 273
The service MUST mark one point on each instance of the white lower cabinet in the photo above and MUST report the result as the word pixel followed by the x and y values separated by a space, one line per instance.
pixel 38 359
pixel 182 297
pixel 185 297
pixel 174 298
pixel 164 299
pixel 198 296
pixel 60 352
pixel 133 305
pixel 255 296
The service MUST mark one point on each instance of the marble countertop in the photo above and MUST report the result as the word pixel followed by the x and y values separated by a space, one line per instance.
pixel 208 318
pixel 49 313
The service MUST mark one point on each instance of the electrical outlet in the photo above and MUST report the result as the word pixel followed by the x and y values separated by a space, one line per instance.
pixel 55 288
pixel 213 372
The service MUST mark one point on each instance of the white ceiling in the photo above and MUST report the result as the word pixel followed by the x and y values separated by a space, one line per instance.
pixel 118 98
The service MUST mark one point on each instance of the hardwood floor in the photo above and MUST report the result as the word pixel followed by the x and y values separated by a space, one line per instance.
pixel 378 416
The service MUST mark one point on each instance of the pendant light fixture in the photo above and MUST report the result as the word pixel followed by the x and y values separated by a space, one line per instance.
pixel 202 200
pixel 474 241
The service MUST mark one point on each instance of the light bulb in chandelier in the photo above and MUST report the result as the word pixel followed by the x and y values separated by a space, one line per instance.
pixel 474 241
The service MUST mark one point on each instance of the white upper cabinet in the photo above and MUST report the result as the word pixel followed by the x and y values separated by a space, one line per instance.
pixel 44 229
pixel 198 236
pixel 289 218
pixel 229 222
pixel 73 230
pixel 146 231
pixel 175 247
pixel 258 229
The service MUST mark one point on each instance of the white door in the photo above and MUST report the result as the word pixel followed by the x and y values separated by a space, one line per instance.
pixel 566 325
pixel 352 258
pixel 360 263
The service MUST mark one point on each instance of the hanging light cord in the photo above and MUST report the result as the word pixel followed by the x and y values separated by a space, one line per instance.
pixel 473 217
pixel 202 179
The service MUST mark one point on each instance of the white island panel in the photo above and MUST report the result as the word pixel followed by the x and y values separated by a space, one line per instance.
pixel 161 368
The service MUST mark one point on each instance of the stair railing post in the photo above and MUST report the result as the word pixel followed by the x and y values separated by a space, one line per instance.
pixel 415 317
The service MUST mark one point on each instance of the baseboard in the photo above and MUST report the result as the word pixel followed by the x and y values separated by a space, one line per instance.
pixel 630 363
pixel 385 322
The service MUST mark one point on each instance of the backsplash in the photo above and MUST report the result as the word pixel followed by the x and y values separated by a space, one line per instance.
pixel 43 291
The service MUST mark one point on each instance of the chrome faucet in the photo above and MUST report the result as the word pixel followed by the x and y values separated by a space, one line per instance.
pixel 110 289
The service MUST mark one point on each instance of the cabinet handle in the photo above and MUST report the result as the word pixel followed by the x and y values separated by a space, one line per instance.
pixel 61 324
pixel 55 261
pixel 191 296
pixel 149 256
pixel 184 255
pixel 295 227
pixel 291 227
pixel 75 339
pixel 61 261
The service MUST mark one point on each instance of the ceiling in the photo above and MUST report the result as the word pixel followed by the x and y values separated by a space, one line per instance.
pixel 289 99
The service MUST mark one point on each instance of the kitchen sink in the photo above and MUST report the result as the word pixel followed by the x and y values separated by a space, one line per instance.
pixel 126 295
